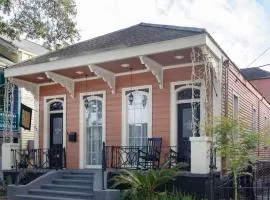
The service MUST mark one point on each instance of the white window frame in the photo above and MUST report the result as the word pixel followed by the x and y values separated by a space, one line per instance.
pixel 173 111
pixel 82 141
pixel 47 112
pixel 254 118
pixel 124 112
pixel 238 106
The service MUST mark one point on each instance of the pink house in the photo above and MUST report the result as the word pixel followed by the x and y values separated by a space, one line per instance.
pixel 145 81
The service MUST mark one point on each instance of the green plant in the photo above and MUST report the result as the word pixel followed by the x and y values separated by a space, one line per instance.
pixel 144 184
pixel 234 142
pixel 176 196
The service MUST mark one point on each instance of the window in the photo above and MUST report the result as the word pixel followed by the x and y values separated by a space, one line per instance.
pixel 94 127
pixel 235 108
pixel 186 94
pixel 254 119
pixel 235 115
pixel 138 117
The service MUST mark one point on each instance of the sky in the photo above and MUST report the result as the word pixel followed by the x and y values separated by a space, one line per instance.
pixel 240 27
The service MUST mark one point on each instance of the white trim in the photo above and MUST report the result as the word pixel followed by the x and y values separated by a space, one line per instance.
pixel 82 155
pixel 46 116
pixel 128 73
pixel 118 54
pixel 173 107
pixel 214 48
pixel 124 111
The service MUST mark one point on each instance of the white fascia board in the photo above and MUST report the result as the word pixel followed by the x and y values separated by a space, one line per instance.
pixel 66 82
pixel 213 47
pixel 107 56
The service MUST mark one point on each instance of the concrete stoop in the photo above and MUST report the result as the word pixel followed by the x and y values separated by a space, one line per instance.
pixel 71 185
pixel 64 185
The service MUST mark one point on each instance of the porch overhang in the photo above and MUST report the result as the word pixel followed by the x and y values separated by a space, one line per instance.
pixel 153 57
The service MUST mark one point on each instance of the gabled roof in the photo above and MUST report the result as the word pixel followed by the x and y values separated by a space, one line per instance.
pixel 25 45
pixel 255 73
pixel 30 47
pixel 136 35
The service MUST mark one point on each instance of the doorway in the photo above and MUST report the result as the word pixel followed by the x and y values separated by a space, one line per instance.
pixel 55 128
pixel 185 130
pixel 93 129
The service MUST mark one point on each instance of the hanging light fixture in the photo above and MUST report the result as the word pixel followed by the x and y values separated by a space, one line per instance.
pixel 130 96
pixel 86 103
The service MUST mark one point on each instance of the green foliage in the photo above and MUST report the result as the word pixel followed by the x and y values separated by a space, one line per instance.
pixel 144 184
pixel 49 20
pixel 235 142
pixel 176 196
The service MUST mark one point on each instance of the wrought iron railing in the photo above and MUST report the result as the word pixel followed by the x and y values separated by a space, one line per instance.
pixel 126 157
pixel 54 158
pixel 31 163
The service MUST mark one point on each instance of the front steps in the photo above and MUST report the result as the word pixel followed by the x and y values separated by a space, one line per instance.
pixel 71 185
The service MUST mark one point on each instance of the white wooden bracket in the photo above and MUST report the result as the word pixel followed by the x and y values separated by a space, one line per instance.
pixel 64 81
pixel 107 76
pixel 155 68
pixel 29 86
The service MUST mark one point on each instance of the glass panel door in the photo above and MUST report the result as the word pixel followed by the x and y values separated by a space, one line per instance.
pixel 94 129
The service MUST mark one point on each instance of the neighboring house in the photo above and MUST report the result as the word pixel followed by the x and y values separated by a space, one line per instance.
pixel 143 81
pixel 259 78
pixel 12 52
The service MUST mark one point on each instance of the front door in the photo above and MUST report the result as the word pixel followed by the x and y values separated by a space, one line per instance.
pixel 56 140
pixel 185 131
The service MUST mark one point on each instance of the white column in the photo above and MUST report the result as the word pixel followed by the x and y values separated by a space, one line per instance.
pixel 200 154
pixel 7 156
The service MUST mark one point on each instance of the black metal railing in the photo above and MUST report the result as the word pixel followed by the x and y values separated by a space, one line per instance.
pixel 54 158
pixel 31 163
pixel 126 157
pixel 244 193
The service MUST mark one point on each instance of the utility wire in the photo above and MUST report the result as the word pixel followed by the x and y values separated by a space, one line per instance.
pixel 257 58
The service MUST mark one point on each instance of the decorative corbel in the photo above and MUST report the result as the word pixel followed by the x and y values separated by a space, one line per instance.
pixel 107 76
pixel 155 68
pixel 64 81
pixel 29 86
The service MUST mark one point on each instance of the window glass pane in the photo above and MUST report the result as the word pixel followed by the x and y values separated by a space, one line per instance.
pixel 93 123
pixel 187 94
pixel 187 122
pixel 138 118
pixel 235 107
pixel 56 106
pixel 254 119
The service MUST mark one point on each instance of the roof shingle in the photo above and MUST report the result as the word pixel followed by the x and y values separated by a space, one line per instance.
pixel 136 35
pixel 255 73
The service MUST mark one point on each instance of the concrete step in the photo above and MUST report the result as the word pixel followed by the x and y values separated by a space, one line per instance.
pixel 72 182
pixel 67 188
pixel 37 197
pixel 82 172
pixel 62 194
pixel 78 176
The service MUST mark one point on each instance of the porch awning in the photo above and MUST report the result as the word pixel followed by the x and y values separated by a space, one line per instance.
pixel 144 47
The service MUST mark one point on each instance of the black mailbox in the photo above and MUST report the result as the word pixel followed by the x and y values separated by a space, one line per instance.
pixel 72 136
